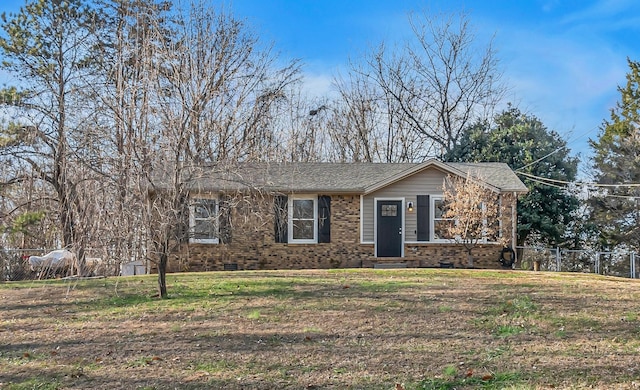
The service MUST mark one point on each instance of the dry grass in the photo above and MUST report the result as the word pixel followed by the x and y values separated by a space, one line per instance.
pixel 339 329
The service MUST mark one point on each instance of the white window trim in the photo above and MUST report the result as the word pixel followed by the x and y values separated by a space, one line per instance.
pixel 362 240
pixel 293 198
pixel 192 221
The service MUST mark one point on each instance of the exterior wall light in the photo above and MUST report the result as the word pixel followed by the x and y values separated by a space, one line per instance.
pixel 410 206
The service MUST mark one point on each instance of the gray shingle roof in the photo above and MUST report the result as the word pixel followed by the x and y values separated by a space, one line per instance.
pixel 359 178
pixel 498 175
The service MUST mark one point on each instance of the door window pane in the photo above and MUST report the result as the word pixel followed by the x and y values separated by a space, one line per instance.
pixel 389 210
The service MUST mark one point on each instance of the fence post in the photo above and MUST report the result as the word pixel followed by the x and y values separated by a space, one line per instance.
pixel 632 261
pixel 558 259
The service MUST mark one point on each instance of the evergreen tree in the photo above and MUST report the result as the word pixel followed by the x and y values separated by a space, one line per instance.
pixel 46 46
pixel 616 164
pixel 527 146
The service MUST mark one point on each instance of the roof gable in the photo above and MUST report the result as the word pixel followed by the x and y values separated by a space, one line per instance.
pixel 475 170
pixel 495 174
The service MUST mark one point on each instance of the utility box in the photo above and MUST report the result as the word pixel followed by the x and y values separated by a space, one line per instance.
pixel 133 268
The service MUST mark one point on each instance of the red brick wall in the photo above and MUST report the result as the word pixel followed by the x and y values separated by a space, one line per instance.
pixel 253 245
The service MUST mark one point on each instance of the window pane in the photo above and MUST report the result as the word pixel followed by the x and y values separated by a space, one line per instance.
pixel 494 231
pixel 440 208
pixel 205 208
pixel 204 219
pixel 303 229
pixel 303 209
pixel 389 210
pixel 204 229
pixel 440 229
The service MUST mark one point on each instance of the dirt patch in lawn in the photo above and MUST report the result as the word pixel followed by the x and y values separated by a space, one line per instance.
pixel 340 329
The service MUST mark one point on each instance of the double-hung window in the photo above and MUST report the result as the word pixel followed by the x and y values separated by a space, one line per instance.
pixel 302 219
pixel 203 221
pixel 441 225
pixel 491 228
pixel 303 216
pixel 434 225
pixel 494 226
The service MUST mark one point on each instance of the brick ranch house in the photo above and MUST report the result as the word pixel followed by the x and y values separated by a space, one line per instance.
pixel 335 215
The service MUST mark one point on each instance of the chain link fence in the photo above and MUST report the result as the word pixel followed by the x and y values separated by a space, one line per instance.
pixel 14 266
pixel 616 263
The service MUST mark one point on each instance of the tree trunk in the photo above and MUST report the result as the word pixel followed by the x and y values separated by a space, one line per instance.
pixel 162 268
pixel 469 259
pixel 81 267
pixel 162 276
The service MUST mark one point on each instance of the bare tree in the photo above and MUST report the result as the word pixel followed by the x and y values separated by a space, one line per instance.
pixel 123 130
pixel 301 129
pixel 353 124
pixel 367 121
pixel 471 213
pixel 215 86
pixel 414 102
pixel 436 85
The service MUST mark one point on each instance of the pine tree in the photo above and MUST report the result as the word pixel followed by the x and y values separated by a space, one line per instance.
pixel 527 146
pixel 616 164
pixel 46 46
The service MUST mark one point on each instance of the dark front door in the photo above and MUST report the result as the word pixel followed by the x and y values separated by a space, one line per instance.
pixel 389 228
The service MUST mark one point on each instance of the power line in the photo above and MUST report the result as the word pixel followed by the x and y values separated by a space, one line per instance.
pixel 541 180
pixel 540 159
pixel 547 184
pixel 577 183
pixel 566 146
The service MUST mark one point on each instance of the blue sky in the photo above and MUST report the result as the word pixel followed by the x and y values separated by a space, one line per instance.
pixel 563 59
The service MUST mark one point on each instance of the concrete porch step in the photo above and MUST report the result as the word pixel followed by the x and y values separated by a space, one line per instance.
pixel 389 265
